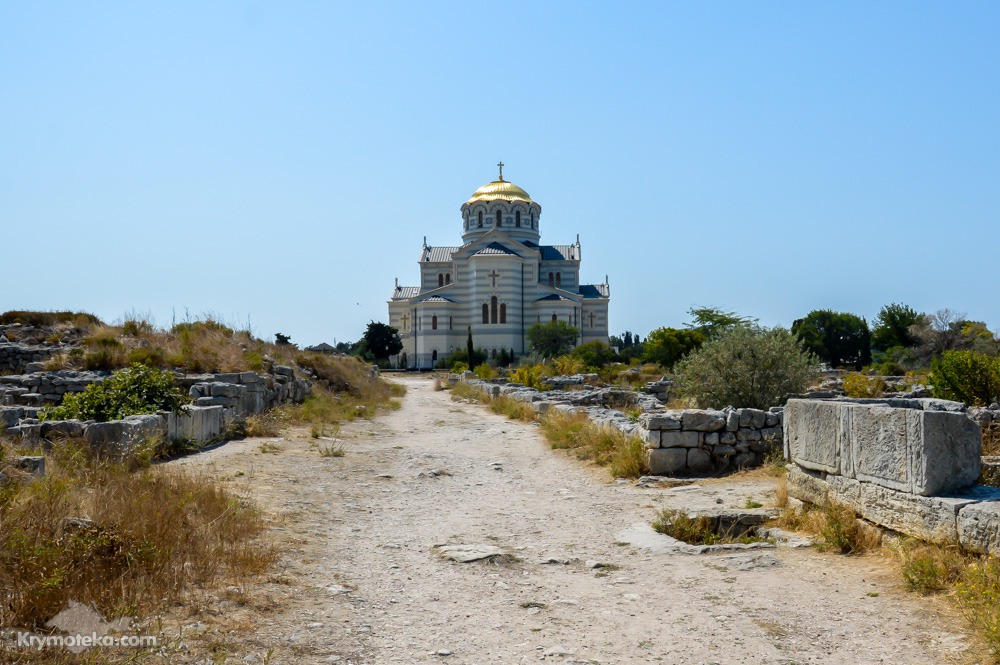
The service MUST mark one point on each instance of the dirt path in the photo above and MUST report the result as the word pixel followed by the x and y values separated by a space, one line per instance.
pixel 361 582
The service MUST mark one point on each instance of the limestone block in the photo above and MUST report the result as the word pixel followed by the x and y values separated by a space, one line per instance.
pixel 925 517
pixel 65 428
pixel 667 461
pixel 979 527
pixel 218 389
pixel 947 457
pixel 669 420
pixel 771 434
pixel 724 450
pixel 727 438
pixel 930 404
pixel 698 460
pixel 748 435
pixel 711 439
pixel 214 401
pixel 680 439
pixel 846 491
pixel 877 450
pixel 812 434
pixel 542 405
pixel 754 418
pixel 652 438
pixel 807 486
pixel 282 370
pixel 732 421
pixel 703 420
pixel 228 377
pixel 771 419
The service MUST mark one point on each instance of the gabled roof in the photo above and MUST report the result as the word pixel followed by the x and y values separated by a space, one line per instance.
pixel 405 292
pixel 437 254
pixel 559 253
pixel 595 291
pixel 495 248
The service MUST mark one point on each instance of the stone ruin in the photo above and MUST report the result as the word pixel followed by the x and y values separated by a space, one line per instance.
pixel 909 465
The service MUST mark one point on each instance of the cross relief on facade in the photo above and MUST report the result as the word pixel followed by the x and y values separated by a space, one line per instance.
pixel 493 276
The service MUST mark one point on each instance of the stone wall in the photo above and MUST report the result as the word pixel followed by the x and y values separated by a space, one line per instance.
pixel 691 441
pixel 16 357
pixel 907 465
pixel 45 388
pixel 696 441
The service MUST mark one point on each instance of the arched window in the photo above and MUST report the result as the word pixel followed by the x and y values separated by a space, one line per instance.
pixel 405 363
pixel 493 309
pixel 555 317
pixel 517 219
pixel 559 279
pixel 498 217
pixel 552 279
pixel 451 322
pixel 532 216
pixel 434 355
pixel 480 219
pixel 494 354
pixel 486 313
pixel 503 313
pixel 440 279
pixel 447 278
pixel 434 322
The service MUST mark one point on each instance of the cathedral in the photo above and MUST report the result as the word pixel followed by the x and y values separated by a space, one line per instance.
pixel 497 284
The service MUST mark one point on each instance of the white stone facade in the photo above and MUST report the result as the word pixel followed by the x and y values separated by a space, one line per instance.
pixel 497 284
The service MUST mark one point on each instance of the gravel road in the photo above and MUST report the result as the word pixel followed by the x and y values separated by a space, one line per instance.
pixel 362 579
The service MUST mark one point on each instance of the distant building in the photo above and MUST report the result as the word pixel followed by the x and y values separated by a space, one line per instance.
pixel 322 347
pixel 498 283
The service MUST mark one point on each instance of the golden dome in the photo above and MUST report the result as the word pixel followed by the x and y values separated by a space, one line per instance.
pixel 499 190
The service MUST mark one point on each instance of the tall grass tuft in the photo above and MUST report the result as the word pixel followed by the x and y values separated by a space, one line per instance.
pixel 125 542
pixel 604 445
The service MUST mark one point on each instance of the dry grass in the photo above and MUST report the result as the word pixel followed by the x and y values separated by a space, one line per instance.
pixel 269 423
pixel 125 542
pixel 606 446
pixel 836 526
pixel 463 390
pixel 513 409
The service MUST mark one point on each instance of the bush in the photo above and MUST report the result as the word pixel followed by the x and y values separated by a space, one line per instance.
pixel 606 446
pixel 747 366
pixel 44 319
pixel 966 376
pixel 594 354
pixel 135 390
pixel 531 376
pixel 485 372
pixel 861 385
pixel 666 346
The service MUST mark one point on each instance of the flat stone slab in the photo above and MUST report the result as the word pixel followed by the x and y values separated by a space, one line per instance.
pixel 468 553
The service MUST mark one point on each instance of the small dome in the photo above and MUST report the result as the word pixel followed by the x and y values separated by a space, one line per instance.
pixel 499 190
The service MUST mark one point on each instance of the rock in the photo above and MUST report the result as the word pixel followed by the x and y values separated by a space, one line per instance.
pixel 557 650
pixel 748 561
pixel 668 421
pixel 979 527
pixel 468 553
pixel 680 439
pixel 753 418
pixel 698 460
pixel 700 420
pixel 732 421
pixel 667 461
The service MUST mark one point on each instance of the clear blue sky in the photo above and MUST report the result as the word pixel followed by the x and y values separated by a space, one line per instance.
pixel 282 161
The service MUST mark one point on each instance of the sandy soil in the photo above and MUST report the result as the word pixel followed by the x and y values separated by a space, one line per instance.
pixel 360 580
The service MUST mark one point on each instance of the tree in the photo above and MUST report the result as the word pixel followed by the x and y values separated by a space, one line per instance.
pixel 282 340
pixel 710 321
pixel 892 327
pixel 380 341
pixel 837 338
pixel 945 330
pixel 554 338
pixel 746 366
pixel 594 354
pixel 966 376
pixel 668 345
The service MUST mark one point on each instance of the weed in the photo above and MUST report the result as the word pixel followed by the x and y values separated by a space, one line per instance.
pixel 513 409
pixel 333 450
pixel 844 533
pixel 604 445
pixel 269 423
pixel 270 447
pixel 678 524
pixel 533 603
pixel 929 569
pixel 750 504
pixel 978 595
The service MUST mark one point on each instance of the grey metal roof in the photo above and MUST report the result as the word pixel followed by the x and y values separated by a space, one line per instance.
pixel 495 248
pixel 554 296
pixel 559 253
pixel 405 292
pixel 437 254
pixel 595 291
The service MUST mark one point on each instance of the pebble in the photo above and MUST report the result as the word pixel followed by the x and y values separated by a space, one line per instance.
pixel 444 652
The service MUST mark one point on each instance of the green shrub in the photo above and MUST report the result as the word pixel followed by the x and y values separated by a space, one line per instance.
pixel 594 354
pixel 862 385
pixel 135 390
pixel 485 372
pixel 966 376
pixel 745 366
pixel 531 376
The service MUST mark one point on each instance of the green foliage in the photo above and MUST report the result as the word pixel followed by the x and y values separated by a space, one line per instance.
pixel 555 338
pixel 380 341
pixel 839 339
pixel 135 390
pixel 861 385
pixel 979 596
pixel 629 346
pixel 892 327
pixel 530 375
pixel 668 345
pixel 594 354
pixel 485 372
pixel 748 366
pixel 194 328
pixel 710 321
pixel 966 376
pixel 567 365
